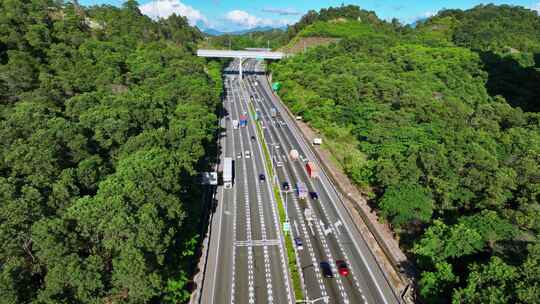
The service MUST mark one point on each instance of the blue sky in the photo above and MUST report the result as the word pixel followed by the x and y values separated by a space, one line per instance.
pixel 230 15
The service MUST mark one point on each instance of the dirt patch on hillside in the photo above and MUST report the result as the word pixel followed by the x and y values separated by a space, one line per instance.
pixel 304 43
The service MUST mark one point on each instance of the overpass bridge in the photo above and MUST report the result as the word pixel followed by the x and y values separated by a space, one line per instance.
pixel 241 55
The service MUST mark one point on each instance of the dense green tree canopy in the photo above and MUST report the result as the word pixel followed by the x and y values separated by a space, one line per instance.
pixel 441 131
pixel 106 119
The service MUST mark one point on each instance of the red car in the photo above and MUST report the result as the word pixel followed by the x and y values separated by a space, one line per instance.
pixel 342 267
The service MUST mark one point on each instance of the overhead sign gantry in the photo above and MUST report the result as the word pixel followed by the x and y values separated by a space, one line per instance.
pixel 241 55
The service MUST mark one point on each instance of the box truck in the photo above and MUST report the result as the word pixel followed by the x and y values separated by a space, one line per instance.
pixel 312 170
pixel 227 172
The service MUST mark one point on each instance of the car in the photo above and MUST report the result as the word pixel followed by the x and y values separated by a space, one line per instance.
pixel 314 196
pixel 326 270
pixel 299 243
pixel 262 178
pixel 248 154
pixel 253 138
pixel 239 155
pixel 286 186
pixel 342 267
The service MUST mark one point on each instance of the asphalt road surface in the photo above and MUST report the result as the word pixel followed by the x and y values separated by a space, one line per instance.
pixel 246 262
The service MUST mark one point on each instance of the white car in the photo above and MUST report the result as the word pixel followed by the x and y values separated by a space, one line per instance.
pixel 248 154
pixel 239 155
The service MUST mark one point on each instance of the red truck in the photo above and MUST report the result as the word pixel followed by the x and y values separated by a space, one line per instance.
pixel 312 170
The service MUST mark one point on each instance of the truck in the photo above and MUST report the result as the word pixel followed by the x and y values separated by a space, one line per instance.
pixel 235 124
pixel 243 120
pixel 301 190
pixel 312 170
pixel 273 112
pixel 317 141
pixel 227 172
pixel 293 154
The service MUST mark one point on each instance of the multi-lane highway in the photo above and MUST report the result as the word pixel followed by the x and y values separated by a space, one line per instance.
pixel 246 262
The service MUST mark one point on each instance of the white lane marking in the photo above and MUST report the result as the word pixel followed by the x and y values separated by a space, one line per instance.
pixel 324 243
pixel 235 236
pixel 333 198
pixel 274 217
pixel 251 291
pixel 267 270
pixel 221 208
pixel 342 251
pixel 307 238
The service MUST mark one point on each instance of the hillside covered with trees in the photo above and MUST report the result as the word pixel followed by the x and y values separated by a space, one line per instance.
pixel 437 128
pixel 263 39
pixel 106 118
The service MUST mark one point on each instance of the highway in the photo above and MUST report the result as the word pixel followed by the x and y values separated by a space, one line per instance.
pixel 246 262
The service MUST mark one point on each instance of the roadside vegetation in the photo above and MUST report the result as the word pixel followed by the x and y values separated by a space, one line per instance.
pixel 106 119
pixel 439 126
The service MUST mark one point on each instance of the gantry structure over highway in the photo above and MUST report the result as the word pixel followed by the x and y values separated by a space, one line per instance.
pixel 241 55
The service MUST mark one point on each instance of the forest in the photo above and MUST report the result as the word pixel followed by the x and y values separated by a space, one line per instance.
pixel 106 120
pixel 439 125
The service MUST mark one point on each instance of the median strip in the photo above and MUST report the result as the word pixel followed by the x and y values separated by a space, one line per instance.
pixel 291 255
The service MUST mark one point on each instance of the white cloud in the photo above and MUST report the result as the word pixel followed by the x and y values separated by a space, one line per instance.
pixel 536 7
pixel 245 20
pixel 429 14
pixel 164 8
pixel 420 17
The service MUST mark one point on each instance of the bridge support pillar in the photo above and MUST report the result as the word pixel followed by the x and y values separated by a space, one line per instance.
pixel 240 67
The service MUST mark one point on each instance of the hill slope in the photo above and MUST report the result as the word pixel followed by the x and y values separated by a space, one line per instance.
pixel 451 165
pixel 508 41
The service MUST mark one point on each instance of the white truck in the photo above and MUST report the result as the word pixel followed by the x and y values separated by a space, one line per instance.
pixel 227 172
pixel 235 124
pixel 317 141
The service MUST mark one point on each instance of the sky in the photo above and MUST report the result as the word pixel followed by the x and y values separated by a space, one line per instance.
pixel 233 15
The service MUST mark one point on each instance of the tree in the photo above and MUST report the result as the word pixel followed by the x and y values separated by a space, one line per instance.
pixel 434 284
pixel 441 242
pixel 406 203
pixel 491 283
